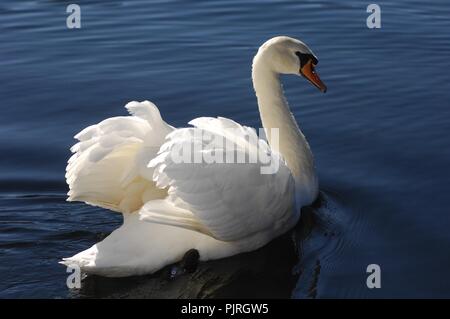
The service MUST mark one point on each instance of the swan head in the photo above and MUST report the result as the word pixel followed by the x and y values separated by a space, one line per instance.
pixel 285 55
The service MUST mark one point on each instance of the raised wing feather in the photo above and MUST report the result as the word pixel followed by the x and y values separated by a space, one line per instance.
pixel 109 164
pixel 228 201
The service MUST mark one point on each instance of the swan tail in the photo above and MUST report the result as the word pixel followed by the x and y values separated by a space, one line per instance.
pixel 138 248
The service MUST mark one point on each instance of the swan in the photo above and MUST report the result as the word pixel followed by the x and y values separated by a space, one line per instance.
pixel 124 164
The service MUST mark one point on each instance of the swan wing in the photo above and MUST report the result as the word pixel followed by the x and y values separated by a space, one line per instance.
pixel 109 164
pixel 228 201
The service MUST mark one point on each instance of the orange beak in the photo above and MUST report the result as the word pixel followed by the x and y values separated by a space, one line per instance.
pixel 309 72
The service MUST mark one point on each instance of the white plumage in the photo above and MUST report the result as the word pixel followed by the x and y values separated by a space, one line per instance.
pixel 127 164
pixel 109 167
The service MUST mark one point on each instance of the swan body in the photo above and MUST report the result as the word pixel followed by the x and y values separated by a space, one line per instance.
pixel 127 164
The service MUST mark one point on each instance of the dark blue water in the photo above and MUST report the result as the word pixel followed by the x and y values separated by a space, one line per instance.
pixel 380 136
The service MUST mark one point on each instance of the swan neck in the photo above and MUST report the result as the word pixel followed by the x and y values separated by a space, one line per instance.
pixel 291 143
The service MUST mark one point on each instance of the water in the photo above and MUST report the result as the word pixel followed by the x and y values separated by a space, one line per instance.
pixel 380 137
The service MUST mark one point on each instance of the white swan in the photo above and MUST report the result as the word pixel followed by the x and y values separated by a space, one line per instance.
pixel 124 164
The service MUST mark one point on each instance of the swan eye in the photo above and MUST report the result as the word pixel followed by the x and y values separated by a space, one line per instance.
pixel 305 58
